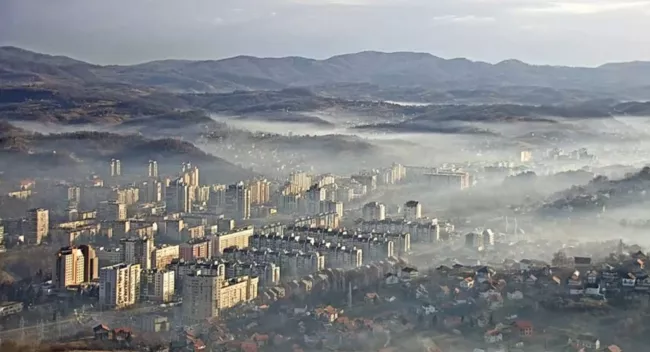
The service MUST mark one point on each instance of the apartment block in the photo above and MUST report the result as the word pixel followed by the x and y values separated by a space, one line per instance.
pixel 412 210
pixel 69 268
pixel 239 237
pixel 138 251
pixel 119 285
pixel 37 225
pixel 196 249
pixel 164 255
pixel 374 211
pixel 157 285
pixel 206 294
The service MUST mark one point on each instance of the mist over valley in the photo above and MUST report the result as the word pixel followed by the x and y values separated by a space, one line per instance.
pixel 477 191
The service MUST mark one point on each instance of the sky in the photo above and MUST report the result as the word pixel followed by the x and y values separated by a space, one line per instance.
pixel 572 32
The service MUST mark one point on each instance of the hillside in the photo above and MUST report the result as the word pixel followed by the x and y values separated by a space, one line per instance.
pixel 413 75
pixel 601 192
pixel 63 154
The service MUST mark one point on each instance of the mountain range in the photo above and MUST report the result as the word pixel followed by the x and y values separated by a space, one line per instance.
pixel 175 103
pixel 361 71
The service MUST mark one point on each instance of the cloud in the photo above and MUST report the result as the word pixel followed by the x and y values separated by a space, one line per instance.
pixel 470 19
pixel 586 8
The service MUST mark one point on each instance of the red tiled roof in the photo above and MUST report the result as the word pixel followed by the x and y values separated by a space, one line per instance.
pixel 523 324
pixel 614 348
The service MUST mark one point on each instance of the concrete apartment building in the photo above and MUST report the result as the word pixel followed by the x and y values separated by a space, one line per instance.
pixel 326 220
pixel 112 211
pixel 37 225
pixel 91 263
pixel 313 198
pixel 119 285
pixel 128 196
pixel 374 246
pixel 200 297
pixel 366 179
pixel 157 285
pixel 138 251
pixel 151 191
pixel 239 237
pixel 412 210
pixel 238 201
pixel 178 198
pixel 268 273
pixel 115 168
pixel 423 230
pixel 199 248
pixel 373 211
pixel 342 257
pixel 299 182
pixel 448 180
pixel 164 255
pixel 217 200
pixel 190 175
pixel 69 268
pixel 330 206
pixel 206 294
pixel 153 169
pixel 260 191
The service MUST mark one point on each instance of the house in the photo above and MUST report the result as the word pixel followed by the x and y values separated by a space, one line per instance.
pixel 531 280
pixel 483 274
pixel 525 264
pixel 371 297
pixel 493 336
pixel 586 341
pixel 123 335
pixel 102 332
pixel 408 273
pixel 467 284
pixel 391 279
pixel 328 314
pixel 593 290
pixel 613 348
pixel 523 327
pixel 428 309
pixel 591 277
pixel 574 280
pixel 516 295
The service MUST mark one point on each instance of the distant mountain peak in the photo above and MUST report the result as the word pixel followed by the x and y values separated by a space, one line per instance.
pixel 512 62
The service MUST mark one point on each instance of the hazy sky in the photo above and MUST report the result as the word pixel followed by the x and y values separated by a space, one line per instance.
pixel 573 32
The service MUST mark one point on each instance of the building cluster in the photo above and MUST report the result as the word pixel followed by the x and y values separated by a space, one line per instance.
pixel 171 239
pixel 411 221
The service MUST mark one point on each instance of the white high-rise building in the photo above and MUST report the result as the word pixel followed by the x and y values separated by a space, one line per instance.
pixel 119 285
pixel 374 211
pixel 153 169
pixel 115 168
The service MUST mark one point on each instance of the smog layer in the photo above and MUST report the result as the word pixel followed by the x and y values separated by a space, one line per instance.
pixel 522 188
